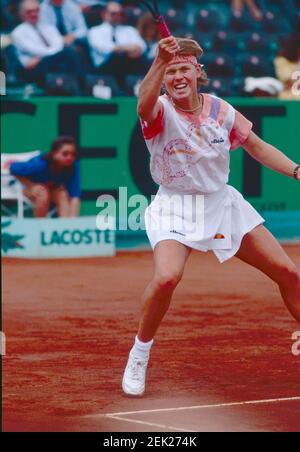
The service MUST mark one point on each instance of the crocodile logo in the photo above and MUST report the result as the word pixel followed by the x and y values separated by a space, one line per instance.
pixel 9 241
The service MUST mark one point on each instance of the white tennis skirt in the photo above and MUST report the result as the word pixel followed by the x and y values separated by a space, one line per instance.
pixel 216 221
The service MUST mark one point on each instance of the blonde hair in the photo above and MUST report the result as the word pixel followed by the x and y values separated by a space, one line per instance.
pixel 191 47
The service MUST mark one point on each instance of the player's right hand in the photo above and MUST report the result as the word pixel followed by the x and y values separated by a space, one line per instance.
pixel 167 48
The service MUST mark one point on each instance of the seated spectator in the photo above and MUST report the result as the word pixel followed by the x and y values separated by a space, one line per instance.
pixel 67 17
pixel 238 7
pixel 117 49
pixel 52 178
pixel 41 48
pixel 150 33
pixel 287 63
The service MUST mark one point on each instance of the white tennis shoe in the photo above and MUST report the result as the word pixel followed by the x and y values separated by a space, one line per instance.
pixel 135 376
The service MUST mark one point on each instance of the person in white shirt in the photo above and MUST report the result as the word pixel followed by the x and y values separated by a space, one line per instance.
pixel 115 48
pixel 41 48
pixel 67 17
pixel 190 137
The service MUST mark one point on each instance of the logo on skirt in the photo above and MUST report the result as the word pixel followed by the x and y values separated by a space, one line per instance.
pixel 219 236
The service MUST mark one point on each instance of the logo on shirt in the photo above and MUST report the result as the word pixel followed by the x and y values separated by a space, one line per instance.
pixel 217 141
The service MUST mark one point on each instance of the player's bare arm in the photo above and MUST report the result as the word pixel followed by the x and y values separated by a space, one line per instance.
pixel 148 103
pixel 269 156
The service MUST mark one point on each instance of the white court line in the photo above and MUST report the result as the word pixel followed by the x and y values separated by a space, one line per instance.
pixel 199 407
pixel 151 424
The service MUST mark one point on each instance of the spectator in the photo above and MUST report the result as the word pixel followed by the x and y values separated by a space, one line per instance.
pixel 67 17
pixel 52 178
pixel 287 63
pixel 117 49
pixel 40 47
pixel 238 7
pixel 150 33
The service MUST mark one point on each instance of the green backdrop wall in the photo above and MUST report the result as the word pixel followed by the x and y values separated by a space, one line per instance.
pixel 113 153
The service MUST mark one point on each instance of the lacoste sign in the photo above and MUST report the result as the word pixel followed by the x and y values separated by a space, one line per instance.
pixel 56 238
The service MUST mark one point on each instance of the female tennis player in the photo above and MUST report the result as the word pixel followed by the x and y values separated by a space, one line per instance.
pixel 190 136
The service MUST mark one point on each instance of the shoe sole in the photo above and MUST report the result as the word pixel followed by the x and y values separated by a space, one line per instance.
pixel 128 394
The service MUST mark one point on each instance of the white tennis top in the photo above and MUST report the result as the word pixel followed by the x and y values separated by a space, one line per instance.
pixel 190 154
pixel 190 157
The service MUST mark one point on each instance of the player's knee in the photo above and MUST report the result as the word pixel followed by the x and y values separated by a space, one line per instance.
pixel 42 195
pixel 62 197
pixel 167 280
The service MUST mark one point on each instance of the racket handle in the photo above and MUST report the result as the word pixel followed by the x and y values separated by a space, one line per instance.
pixel 163 27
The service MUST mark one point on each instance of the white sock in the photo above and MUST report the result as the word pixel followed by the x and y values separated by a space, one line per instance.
pixel 141 349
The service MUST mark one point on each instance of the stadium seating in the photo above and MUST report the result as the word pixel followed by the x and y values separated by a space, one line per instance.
pixel 220 65
pixel 209 19
pixel 109 81
pixel 225 42
pixel 254 65
pixel 235 45
pixel 132 15
pixel 273 23
pixel 257 43
pixel 132 84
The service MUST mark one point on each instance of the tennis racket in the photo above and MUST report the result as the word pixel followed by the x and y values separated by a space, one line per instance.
pixel 152 6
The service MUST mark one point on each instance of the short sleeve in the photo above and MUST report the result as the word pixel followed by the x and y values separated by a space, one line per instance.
pixel 240 130
pixel 32 167
pixel 151 130
pixel 73 185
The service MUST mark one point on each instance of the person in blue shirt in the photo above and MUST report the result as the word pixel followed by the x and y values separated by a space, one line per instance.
pixel 52 178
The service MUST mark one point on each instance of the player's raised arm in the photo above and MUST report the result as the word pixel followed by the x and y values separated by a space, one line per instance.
pixel 148 103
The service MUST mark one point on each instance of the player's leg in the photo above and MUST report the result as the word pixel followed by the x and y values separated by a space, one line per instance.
pixel 169 261
pixel 61 198
pixel 170 258
pixel 39 195
pixel 260 249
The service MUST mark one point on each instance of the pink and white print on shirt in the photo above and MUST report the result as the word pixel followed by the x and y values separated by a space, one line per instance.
pixel 191 154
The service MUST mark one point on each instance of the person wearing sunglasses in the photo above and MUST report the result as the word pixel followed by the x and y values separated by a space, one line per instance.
pixel 52 178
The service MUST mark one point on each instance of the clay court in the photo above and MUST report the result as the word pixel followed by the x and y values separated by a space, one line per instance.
pixel 226 340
